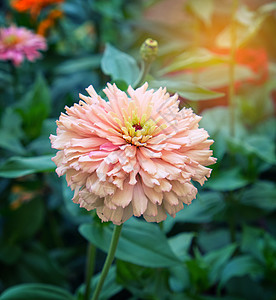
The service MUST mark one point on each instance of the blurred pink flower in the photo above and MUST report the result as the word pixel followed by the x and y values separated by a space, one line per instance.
pixel 132 155
pixel 16 43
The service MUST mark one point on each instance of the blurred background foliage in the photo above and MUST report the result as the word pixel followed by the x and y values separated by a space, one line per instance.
pixel 223 246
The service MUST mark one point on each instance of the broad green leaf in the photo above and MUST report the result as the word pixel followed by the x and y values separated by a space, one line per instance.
pixel 202 9
pixel 185 89
pixel 42 144
pixel 20 166
pixel 141 243
pixel 252 242
pixel 267 128
pixel 9 253
pixel 110 286
pixel 37 265
pixel 119 65
pixel 227 180
pixel 34 108
pixel 261 195
pixel 79 64
pixel 198 272
pixel 217 298
pixel 213 240
pixel 262 147
pixel 196 59
pixel 11 132
pixel 217 260
pixel 203 209
pixel 144 283
pixel 261 245
pixel 36 291
pixel 72 84
pixel 18 225
pixel 240 266
pixel 5 77
pixel 218 76
pixel 181 243
pixel 179 279
pixel 217 123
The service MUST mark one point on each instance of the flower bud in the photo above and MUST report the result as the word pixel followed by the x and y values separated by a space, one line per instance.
pixel 148 50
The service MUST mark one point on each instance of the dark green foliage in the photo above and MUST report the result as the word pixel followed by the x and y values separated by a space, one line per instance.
pixel 223 245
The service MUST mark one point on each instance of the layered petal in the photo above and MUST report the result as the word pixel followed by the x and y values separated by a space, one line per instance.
pixel 134 154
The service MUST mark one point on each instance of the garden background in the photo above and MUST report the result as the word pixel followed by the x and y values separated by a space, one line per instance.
pixel 220 57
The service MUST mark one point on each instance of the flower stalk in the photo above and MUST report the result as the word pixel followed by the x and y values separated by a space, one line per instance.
pixel 232 68
pixel 91 252
pixel 109 260
pixel 148 53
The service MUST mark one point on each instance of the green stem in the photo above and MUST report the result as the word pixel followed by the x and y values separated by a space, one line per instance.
pixel 91 252
pixel 161 225
pixel 145 67
pixel 232 68
pixel 109 259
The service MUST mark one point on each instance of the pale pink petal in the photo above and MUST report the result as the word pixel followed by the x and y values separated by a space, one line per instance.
pixel 139 201
pixel 131 155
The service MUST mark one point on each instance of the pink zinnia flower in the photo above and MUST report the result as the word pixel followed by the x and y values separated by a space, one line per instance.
pixel 131 155
pixel 16 43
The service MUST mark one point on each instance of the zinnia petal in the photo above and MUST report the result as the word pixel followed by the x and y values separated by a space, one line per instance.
pixel 135 154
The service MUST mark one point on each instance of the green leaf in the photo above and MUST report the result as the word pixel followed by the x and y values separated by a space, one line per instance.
pixel 9 254
pixel 181 243
pixel 262 147
pixel 261 245
pixel 36 291
pixel 139 243
pixel 144 283
pixel 37 265
pixel 240 266
pixel 198 271
pixel 203 209
pixel 218 76
pixel 227 180
pixel 35 107
pixel 179 279
pixel 196 59
pixel 110 287
pixel 202 9
pixel 216 121
pixel 184 89
pixel 79 64
pixel 217 260
pixel 20 166
pixel 213 240
pixel 253 243
pixel 18 225
pixel 119 65
pixel 11 132
pixel 261 195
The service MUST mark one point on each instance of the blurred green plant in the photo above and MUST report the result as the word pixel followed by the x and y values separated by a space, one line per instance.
pixel 223 246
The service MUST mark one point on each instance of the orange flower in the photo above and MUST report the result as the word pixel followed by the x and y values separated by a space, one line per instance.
pixel 34 6
pixel 49 22
pixel 255 59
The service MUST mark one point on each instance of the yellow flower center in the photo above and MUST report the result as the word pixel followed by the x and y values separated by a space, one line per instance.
pixel 11 40
pixel 137 131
